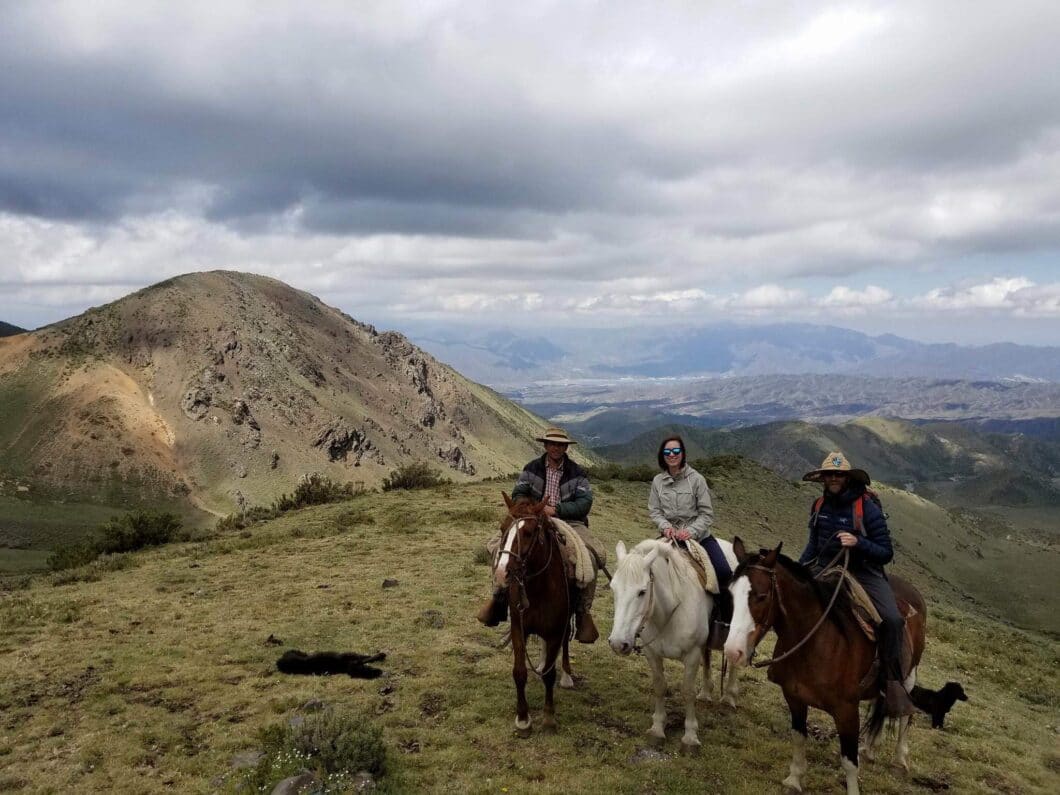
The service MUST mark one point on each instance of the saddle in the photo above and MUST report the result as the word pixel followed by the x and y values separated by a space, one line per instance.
pixel 868 618
pixel 581 560
pixel 714 572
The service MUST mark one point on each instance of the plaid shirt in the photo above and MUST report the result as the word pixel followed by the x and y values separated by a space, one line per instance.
pixel 552 476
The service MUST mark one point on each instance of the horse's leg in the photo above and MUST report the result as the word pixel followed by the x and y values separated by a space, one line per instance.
pixel 847 723
pixel 552 647
pixel 688 690
pixel 522 711
pixel 658 682
pixel 730 685
pixel 798 743
pixel 706 693
pixel 901 751
pixel 566 679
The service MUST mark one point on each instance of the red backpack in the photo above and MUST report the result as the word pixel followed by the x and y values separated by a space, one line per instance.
pixel 859 510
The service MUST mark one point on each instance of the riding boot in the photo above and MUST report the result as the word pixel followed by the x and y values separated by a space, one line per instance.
pixel 495 611
pixel 583 619
pixel 897 700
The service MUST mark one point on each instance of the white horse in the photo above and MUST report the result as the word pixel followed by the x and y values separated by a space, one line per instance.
pixel 658 599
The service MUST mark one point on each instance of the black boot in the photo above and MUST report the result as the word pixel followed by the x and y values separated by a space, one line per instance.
pixel 495 611
pixel 583 618
pixel 897 700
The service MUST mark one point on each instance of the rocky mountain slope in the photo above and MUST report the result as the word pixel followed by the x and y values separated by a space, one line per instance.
pixel 222 387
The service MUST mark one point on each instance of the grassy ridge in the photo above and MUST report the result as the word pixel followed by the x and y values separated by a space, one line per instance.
pixel 153 677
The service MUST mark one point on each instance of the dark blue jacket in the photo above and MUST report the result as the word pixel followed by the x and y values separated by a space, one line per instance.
pixel 873 549
pixel 575 493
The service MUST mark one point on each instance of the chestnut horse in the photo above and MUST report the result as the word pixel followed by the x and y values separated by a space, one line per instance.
pixel 827 658
pixel 530 564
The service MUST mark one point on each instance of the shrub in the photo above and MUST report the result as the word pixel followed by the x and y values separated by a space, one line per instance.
pixel 137 531
pixel 119 534
pixel 336 746
pixel 340 742
pixel 417 475
pixel 316 489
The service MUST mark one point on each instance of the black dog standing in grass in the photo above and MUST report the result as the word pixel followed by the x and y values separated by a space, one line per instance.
pixel 323 663
pixel 937 703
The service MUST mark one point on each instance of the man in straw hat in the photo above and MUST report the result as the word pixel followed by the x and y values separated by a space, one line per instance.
pixel 565 486
pixel 847 517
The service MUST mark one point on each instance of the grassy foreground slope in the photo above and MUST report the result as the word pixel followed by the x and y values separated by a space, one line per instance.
pixel 155 676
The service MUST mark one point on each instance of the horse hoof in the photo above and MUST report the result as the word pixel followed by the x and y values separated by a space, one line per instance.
pixel 566 682
pixel 705 696
pixel 549 727
pixel 690 749
pixel 524 731
pixel 731 701
pixel 655 741
pixel 791 785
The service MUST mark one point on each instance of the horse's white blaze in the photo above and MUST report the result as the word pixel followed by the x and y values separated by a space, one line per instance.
pixel 736 645
pixel 500 574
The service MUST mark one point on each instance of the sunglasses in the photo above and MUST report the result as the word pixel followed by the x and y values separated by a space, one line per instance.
pixel 672 451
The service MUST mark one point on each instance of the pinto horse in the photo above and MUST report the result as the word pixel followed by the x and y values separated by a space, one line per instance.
pixel 530 565
pixel 826 657
pixel 659 599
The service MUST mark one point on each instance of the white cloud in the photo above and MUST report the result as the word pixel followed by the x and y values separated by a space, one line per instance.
pixel 843 297
pixel 995 294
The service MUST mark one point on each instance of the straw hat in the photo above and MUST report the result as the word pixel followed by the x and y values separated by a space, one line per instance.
pixel 837 462
pixel 557 435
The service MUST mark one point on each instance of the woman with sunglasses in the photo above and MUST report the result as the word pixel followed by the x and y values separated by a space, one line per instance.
pixel 679 502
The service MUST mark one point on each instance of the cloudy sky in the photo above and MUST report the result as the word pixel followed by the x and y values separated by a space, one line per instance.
pixel 882 166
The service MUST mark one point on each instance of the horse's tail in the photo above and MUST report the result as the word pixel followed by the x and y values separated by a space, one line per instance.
pixel 877 717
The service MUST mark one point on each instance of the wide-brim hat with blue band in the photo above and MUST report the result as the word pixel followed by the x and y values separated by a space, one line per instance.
pixel 837 462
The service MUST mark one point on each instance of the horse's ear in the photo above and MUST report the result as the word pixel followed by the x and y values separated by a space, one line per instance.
pixel 739 549
pixel 770 559
pixel 507 500
pixel 620 551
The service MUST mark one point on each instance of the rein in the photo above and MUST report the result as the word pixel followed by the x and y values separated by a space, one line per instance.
pixel 845 554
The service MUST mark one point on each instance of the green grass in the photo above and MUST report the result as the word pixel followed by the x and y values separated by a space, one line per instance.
pixel 151 678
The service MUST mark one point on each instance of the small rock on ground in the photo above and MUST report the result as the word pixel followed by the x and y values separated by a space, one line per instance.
pixel 246 759
pixel 390 583
pixel 303 782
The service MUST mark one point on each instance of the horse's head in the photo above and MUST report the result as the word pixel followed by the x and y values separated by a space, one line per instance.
pixel 522 529
pixel 632 587
pixel 754 601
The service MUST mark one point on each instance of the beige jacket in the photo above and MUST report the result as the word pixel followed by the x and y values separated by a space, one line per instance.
pixel 681 502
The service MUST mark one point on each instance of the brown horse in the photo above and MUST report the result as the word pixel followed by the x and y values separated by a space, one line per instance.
pixel 830 658
pixel 530 564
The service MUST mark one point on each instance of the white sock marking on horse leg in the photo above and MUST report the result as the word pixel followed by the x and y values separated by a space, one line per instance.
pixel 731 686
pixel 901 752
pixel 658 680
pixel 852 776
pixel 523 726
pixel 565 681
pixel 798 762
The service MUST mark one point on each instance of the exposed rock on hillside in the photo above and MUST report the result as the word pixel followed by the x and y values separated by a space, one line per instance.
pixel 231 382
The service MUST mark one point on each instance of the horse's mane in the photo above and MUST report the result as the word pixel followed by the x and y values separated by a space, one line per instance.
pixel 842 612
pixel 683 568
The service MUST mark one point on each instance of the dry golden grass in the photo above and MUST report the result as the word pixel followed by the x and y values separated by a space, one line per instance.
pixel 153 677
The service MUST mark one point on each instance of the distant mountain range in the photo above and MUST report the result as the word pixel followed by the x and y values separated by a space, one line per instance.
pixel 950 463
pixel 508 359
pixel 6 329
pixel 214 385
pixel 615 411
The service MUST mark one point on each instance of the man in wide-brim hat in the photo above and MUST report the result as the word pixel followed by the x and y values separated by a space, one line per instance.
pixel 554 477
pixel 847 517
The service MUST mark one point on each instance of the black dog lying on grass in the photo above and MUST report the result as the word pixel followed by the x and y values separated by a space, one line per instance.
pixel 322 663
pixel 937 703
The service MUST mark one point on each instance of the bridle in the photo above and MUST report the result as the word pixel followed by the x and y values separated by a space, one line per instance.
pixel 774 601
pixel 518 575
pixel 647 615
